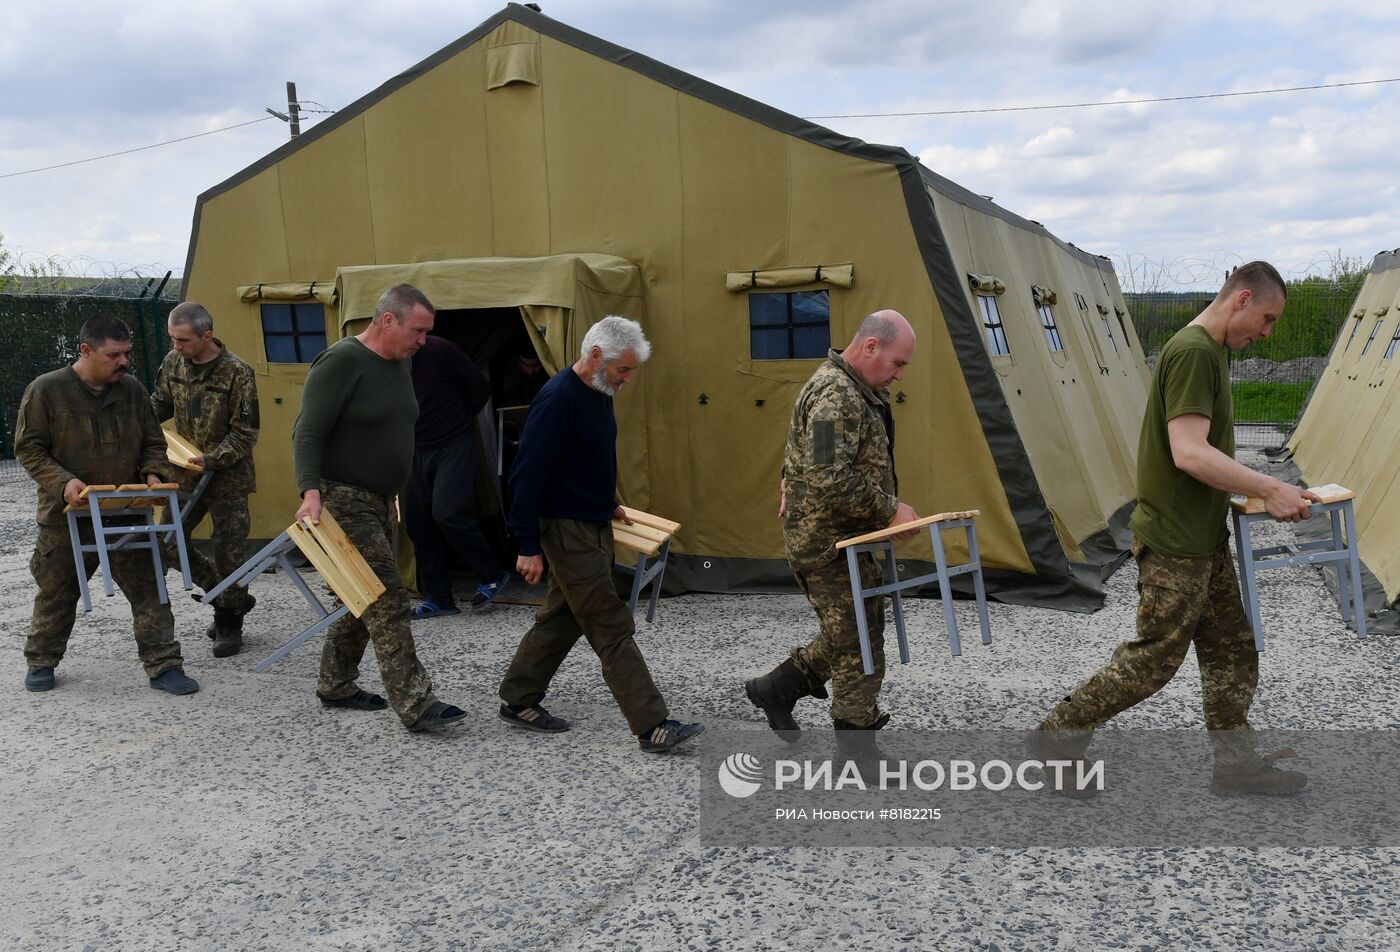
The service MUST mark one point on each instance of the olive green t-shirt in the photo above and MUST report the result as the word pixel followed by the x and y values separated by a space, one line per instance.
pixel 1176 513
pixel 356 420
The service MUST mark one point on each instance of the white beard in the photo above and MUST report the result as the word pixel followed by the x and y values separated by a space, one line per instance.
pixel 599 382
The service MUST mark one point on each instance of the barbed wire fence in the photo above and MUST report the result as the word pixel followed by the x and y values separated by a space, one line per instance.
pixel 1271 380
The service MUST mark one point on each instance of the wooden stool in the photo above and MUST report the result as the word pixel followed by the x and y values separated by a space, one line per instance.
pixel 1336 502
pixel 650 537
pixel 333 555
pixel 882 541
pixel 129 499
pixel 178 451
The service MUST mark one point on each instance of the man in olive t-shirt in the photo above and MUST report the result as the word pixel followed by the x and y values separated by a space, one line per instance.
pixel 1189 594
pixel 353 445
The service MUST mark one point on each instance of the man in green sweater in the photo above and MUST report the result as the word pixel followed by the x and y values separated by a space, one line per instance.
pixel 353 445
pixel 1186 577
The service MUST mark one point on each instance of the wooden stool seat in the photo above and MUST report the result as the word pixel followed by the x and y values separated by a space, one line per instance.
pixel 332 555
pixel 882 540
pixel 650 537
pixel 1336 502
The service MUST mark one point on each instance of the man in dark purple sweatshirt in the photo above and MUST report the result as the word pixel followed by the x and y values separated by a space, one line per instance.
pixel 440 511
pixel 563 497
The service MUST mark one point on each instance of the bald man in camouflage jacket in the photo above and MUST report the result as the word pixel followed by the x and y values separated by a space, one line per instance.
pixel 838 482
pixel 213 398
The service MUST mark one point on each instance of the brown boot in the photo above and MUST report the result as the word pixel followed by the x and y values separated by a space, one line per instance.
pixel 777 693
pixel 1258 776
pixel 858 744
pixel 1046 745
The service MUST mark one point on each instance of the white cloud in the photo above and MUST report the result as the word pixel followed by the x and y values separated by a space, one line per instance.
pixel 1282 176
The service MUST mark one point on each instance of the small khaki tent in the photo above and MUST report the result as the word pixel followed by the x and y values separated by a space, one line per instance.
pixel 1349 432
pixel 532 178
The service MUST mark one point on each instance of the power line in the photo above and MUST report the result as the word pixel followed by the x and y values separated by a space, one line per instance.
pixel 141 148
pixel 1107 102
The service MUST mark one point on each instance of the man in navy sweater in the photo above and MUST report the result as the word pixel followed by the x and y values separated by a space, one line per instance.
pixel 563 496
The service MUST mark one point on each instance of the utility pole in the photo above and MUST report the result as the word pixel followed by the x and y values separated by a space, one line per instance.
pixel 294 109
pixel 293 114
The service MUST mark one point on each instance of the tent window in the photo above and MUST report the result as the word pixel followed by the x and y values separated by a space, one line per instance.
pixel 293 333
pixel 1052 333
pixel 1094 344
pixel 789 325
pixel 1370 340
pixel 1390 348
pixel 1107 327
pixel 1355 326
pixel 991 323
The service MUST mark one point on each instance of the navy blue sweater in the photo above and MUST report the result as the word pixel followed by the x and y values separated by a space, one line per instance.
pixel 567 465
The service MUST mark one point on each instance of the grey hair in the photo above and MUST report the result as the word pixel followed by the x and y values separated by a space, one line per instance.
pixel 879 327
pixel 400 300
pixel 614 335
pixel 194 316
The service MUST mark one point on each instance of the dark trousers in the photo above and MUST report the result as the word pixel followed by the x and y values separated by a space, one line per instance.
pixel 440 514
pixel 582 601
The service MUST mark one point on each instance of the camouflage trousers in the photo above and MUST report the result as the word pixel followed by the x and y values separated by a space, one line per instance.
pixel 56 603
pixel 368 522
pixel 1183 602
pixel 231 523
pixel 835 653
pixel 581 602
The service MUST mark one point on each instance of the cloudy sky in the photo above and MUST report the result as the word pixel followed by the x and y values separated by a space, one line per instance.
pixel 1173 191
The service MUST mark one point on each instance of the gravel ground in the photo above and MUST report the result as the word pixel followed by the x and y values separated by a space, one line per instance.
pixel 246 816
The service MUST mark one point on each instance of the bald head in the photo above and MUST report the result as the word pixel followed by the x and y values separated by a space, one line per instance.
pixel 883 344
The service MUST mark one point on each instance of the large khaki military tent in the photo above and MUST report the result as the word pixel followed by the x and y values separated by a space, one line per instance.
pixel 1349 433
pixel 532 178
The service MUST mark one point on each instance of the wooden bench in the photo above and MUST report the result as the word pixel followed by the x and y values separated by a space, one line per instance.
pixel 332 555
pixel 1336 502
pixel 650 537
pixel 131 499
pixel 882 541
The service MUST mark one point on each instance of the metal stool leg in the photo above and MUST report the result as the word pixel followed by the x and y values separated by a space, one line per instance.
pixel 1343 572
pixel 95 513
pixel 945 589
pixel 1349 515
pixel 658 580
pixel 896 600
pixel 79 563
pixel 867 657
pixel 978 586
pixel 1247 580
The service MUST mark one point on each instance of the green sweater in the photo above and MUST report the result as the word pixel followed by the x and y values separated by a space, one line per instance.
pixel 356 420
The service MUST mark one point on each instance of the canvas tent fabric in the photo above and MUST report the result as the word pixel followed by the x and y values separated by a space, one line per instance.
pixel 1349 431
pixel 620 184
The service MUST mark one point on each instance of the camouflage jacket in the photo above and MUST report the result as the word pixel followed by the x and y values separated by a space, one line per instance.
pixel 65 431
pixel 839 464
pixel 215 406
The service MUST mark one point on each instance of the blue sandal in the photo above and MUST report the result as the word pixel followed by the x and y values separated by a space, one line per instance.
pixel 430 609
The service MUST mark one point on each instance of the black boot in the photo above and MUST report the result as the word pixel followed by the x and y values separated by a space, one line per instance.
pixel 858 744
pixel 777 692
pixel 1068 746
pixel 227 631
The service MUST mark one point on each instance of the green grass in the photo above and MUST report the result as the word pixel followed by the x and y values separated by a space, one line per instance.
pixel 1265 402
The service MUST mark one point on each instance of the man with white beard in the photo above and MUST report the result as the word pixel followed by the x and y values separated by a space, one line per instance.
pixel 563 497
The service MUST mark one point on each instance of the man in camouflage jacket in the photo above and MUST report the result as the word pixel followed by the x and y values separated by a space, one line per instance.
pixel 213 397
pixel 90 424
pixel 839 481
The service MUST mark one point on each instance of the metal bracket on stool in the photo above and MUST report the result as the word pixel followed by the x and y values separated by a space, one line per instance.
pixel 650 537
pixel 882 541
pixel 1337 503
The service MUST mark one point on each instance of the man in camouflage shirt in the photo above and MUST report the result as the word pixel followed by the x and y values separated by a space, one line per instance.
pixel 214 399
pixel 1189 594
pixel 90 424
pixel 838 482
